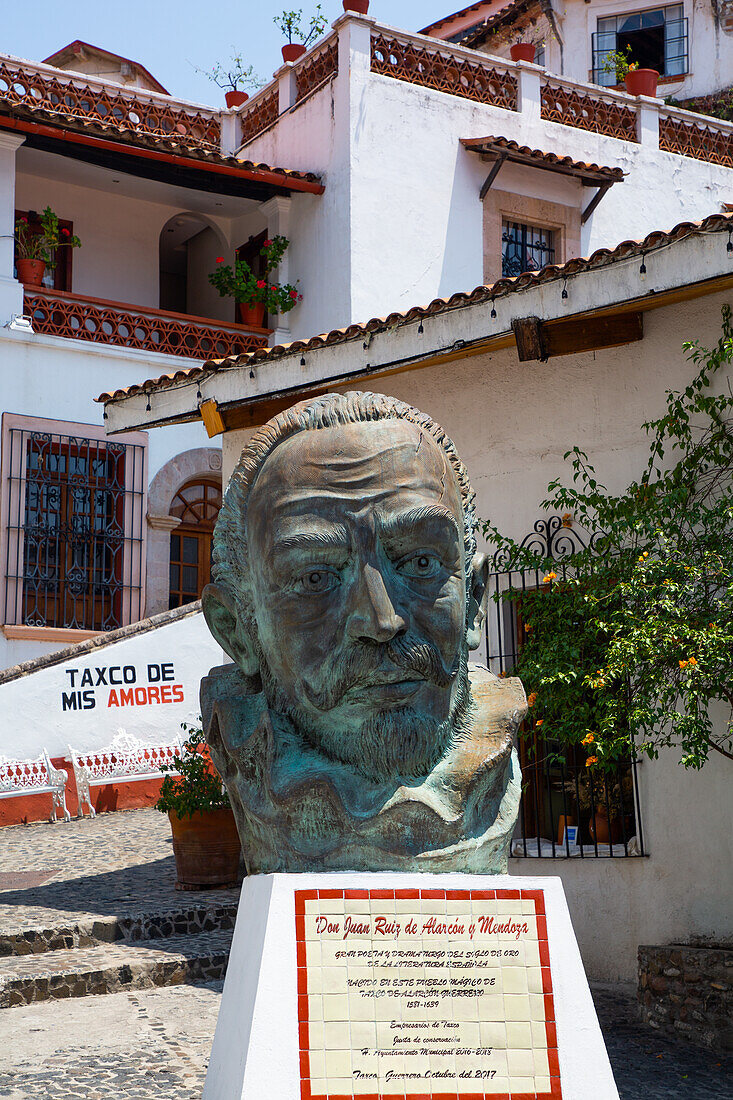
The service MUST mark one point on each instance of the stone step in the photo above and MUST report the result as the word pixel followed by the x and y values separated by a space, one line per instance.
pixel 113 967
pixel 191 919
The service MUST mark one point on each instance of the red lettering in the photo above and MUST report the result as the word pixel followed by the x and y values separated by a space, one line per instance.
pixel 153 694
pixel 165 694
pixel 127 698
pixel 178 693
pixel 112 701
pixel 141 696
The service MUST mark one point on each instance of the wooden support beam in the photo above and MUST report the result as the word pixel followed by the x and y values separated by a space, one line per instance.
pixel 594 202
pixel 491 176
pixel 529 333
pixel 212 418
pixel 540 340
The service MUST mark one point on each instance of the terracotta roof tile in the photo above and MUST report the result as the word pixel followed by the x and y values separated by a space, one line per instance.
pixel 602 257
pixel 551 161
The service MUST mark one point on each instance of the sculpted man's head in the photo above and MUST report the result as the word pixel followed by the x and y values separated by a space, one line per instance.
pixel 347 580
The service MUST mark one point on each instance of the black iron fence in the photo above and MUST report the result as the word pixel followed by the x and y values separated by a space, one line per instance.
pixel 567 809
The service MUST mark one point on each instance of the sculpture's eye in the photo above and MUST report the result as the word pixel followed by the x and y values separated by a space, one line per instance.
pixel 317 581
pixel 420 566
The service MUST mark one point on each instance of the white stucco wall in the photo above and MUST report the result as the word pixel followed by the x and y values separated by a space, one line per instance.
pixel 48 712
pixel 512 423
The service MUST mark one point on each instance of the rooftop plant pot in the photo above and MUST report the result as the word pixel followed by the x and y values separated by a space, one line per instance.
pixel 235 98
pixel 252 313
pixel 642 82
pixel 361 7
pixel 522 51
pixel 207 849
pixel 30 272
pixel 292 51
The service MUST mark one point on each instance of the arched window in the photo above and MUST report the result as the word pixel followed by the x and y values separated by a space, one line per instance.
pixel 197 505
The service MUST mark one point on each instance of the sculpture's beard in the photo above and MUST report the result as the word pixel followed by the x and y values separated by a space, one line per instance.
pixel 394 741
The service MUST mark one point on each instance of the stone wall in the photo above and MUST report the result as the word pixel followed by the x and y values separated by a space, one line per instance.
pixel 688 991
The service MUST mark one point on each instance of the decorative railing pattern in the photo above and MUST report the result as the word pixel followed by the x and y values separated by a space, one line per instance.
pixel 317 71
pixel 443 71
pixel 89 101
pixel 261 115
pixel 60 314
pixel 602 114
pixel 690 139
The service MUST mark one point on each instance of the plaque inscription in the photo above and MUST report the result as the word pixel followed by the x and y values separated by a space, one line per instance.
pixel 425 993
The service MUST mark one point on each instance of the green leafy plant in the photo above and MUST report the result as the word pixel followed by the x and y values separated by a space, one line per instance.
pixel 234 75
pixel 238 280
pixel 620 63
pixel 636 636
pixel 197 788
pixel 290 24
pixel 37 238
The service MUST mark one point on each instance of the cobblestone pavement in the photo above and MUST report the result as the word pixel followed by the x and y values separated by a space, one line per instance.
pixel 117 864
pixel 155 1044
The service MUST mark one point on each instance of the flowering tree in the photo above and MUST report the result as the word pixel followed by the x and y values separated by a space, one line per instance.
pixel 638 638
pixel 238 281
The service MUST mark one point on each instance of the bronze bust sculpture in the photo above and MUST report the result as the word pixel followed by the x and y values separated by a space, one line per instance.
pixel 351 731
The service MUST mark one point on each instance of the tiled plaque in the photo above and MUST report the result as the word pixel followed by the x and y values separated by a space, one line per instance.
pixel 415 994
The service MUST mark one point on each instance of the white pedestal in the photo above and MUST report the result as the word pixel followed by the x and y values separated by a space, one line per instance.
pixel 412 986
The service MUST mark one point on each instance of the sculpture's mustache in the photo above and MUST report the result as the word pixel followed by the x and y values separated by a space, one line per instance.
pixel 364 666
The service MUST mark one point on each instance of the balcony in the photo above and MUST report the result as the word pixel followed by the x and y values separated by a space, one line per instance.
pixel 79 317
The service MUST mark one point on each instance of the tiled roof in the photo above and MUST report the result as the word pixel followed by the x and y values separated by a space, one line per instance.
pixel 129 139
pixel 602 257
pixel 446 19
pixel 72 49
pixel 551 161
pixel 502 18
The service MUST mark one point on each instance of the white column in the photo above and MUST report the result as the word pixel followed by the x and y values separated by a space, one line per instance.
pixel 11 291
pixel 231 131
pixel 287 89
pixel 647 122
pixel 529 93
pixel 355 45
pixel 277 212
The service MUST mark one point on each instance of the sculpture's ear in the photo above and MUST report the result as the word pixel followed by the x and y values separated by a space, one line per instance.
pixel 477 600
pixel 225 624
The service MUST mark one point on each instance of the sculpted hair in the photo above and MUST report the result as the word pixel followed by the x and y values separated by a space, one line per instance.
pixel 229 559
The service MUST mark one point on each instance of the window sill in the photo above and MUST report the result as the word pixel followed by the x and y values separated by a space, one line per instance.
pixel 47 634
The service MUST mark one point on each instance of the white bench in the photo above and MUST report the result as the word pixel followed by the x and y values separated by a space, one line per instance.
pixel 125 760
pixel 37 776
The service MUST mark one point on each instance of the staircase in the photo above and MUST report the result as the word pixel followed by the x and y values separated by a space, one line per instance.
pixel 111 954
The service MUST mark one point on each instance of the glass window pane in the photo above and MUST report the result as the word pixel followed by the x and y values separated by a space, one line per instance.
pixel 190 549
pixel 175 576
pixel 190 577
pixel 176 547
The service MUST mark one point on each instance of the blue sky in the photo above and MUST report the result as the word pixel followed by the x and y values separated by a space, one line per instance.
pixel 170 37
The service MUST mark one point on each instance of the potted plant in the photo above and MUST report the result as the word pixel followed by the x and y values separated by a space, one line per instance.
pixel 233 79
pixel 205 839
pixel 361 7
pixel 36 240
pixel 256 294
pixel 289 23
pixel 637 81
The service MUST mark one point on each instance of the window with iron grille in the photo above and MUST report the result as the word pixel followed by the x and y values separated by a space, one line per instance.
pixel 73 537
pixel 657 39
pixel 525 248
pixel 557 789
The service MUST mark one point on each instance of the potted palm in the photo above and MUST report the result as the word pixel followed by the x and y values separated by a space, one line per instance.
pixel 37 237
pixel 636 81
pixel 233 79
pixel 290 23
pixel 256 294
pixel 205 839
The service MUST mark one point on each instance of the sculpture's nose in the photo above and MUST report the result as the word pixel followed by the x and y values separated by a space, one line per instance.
pixel 373 617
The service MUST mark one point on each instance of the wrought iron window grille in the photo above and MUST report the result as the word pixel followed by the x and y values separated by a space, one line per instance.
pixel 74 536
pixel 658 39
pixel 557 791
pixel 525 248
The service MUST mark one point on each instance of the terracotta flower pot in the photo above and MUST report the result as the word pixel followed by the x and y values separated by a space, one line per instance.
pixel 235 98
pixel 31 271
pixel 522 51
pixel 207 849
pixel 642 82
pixel 603 831
pixel 292 51
pixel 252 313
pixel 361 7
